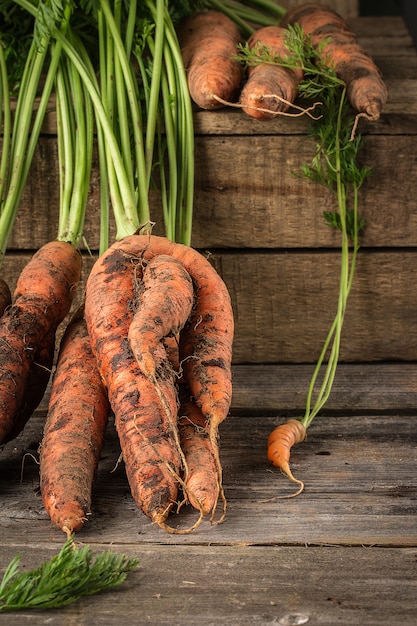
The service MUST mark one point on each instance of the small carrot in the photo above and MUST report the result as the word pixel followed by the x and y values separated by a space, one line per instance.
pixel 201 483
pixel 143 417
pixel 270 88
pixel 280 442
pixel 5 296
pixel 41 300
pixel 74 430
pixel 164 301
pixel 341 50
pixel 208 42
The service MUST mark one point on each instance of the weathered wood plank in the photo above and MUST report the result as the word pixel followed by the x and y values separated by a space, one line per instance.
pixel 359 473
pixel 357 387
pixel 248 202
pixel 242 586
pixel 254 199
pixel 284 304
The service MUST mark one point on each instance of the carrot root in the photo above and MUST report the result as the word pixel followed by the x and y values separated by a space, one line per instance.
pixel 280 442
pixel 41 300
pixel 341 50
pixel 74 430
pixel 208 41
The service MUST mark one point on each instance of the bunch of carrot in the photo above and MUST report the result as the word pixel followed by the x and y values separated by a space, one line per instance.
pixel 271 83
pixel 154 345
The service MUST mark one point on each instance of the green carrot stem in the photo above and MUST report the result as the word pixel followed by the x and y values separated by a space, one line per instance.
pixel 25 136
pixel 186 134
pixel 5 122
pixel 121 108
pixel 142 213
pixel 158 12
pixel 65 125
pixel 126 220
pixel 345 283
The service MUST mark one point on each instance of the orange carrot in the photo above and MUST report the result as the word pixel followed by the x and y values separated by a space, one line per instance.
pixel 37 381
pixel 208 42
pixel 74 430
pixel 207 338
pixel 5 296
pixel 149 408
pixel 201 482
pixel 270 88
pixel 144 418
pixel 164 301
pixel 366 89
pixel 280 442
pixel 41 300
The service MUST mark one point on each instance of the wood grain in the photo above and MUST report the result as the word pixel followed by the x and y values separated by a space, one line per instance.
pixel 359 474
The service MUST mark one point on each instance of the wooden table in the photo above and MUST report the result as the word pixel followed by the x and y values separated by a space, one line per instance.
pixel 343 552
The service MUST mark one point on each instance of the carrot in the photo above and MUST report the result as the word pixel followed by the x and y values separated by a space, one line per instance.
pixel 74 430
pixel 143 421
pixel 208 42
pixel 207 338
pixel 37 381
pixel 280 442
pixel 164 302
pixel 270 88
pixel 143 409
pixel 201 483
pixel 5 296
pixel 366 89
pixel 41 300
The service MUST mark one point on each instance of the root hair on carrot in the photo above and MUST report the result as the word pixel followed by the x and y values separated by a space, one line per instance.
pixel 301 110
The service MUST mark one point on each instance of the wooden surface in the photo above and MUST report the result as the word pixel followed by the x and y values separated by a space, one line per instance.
pixel 343 552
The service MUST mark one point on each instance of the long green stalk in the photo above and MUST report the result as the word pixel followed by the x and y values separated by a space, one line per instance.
pixel 335 167
pixel 127 220
pixel 142 210
pixel 75 142
pixel 249 14
pixel 25 133
pixel 5 121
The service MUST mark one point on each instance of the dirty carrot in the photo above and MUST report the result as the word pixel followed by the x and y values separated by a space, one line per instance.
pixel 37 381
pixel 143 423
pixel 41 300
pixel 201 484
pixel 163 305
pixel 207 338
pixel 280 442
pixel 208 42
pixel 74 430
pixel 339 48
pixel 271 87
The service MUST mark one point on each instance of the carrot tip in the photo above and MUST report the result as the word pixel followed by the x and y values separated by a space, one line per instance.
pixel 159 519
